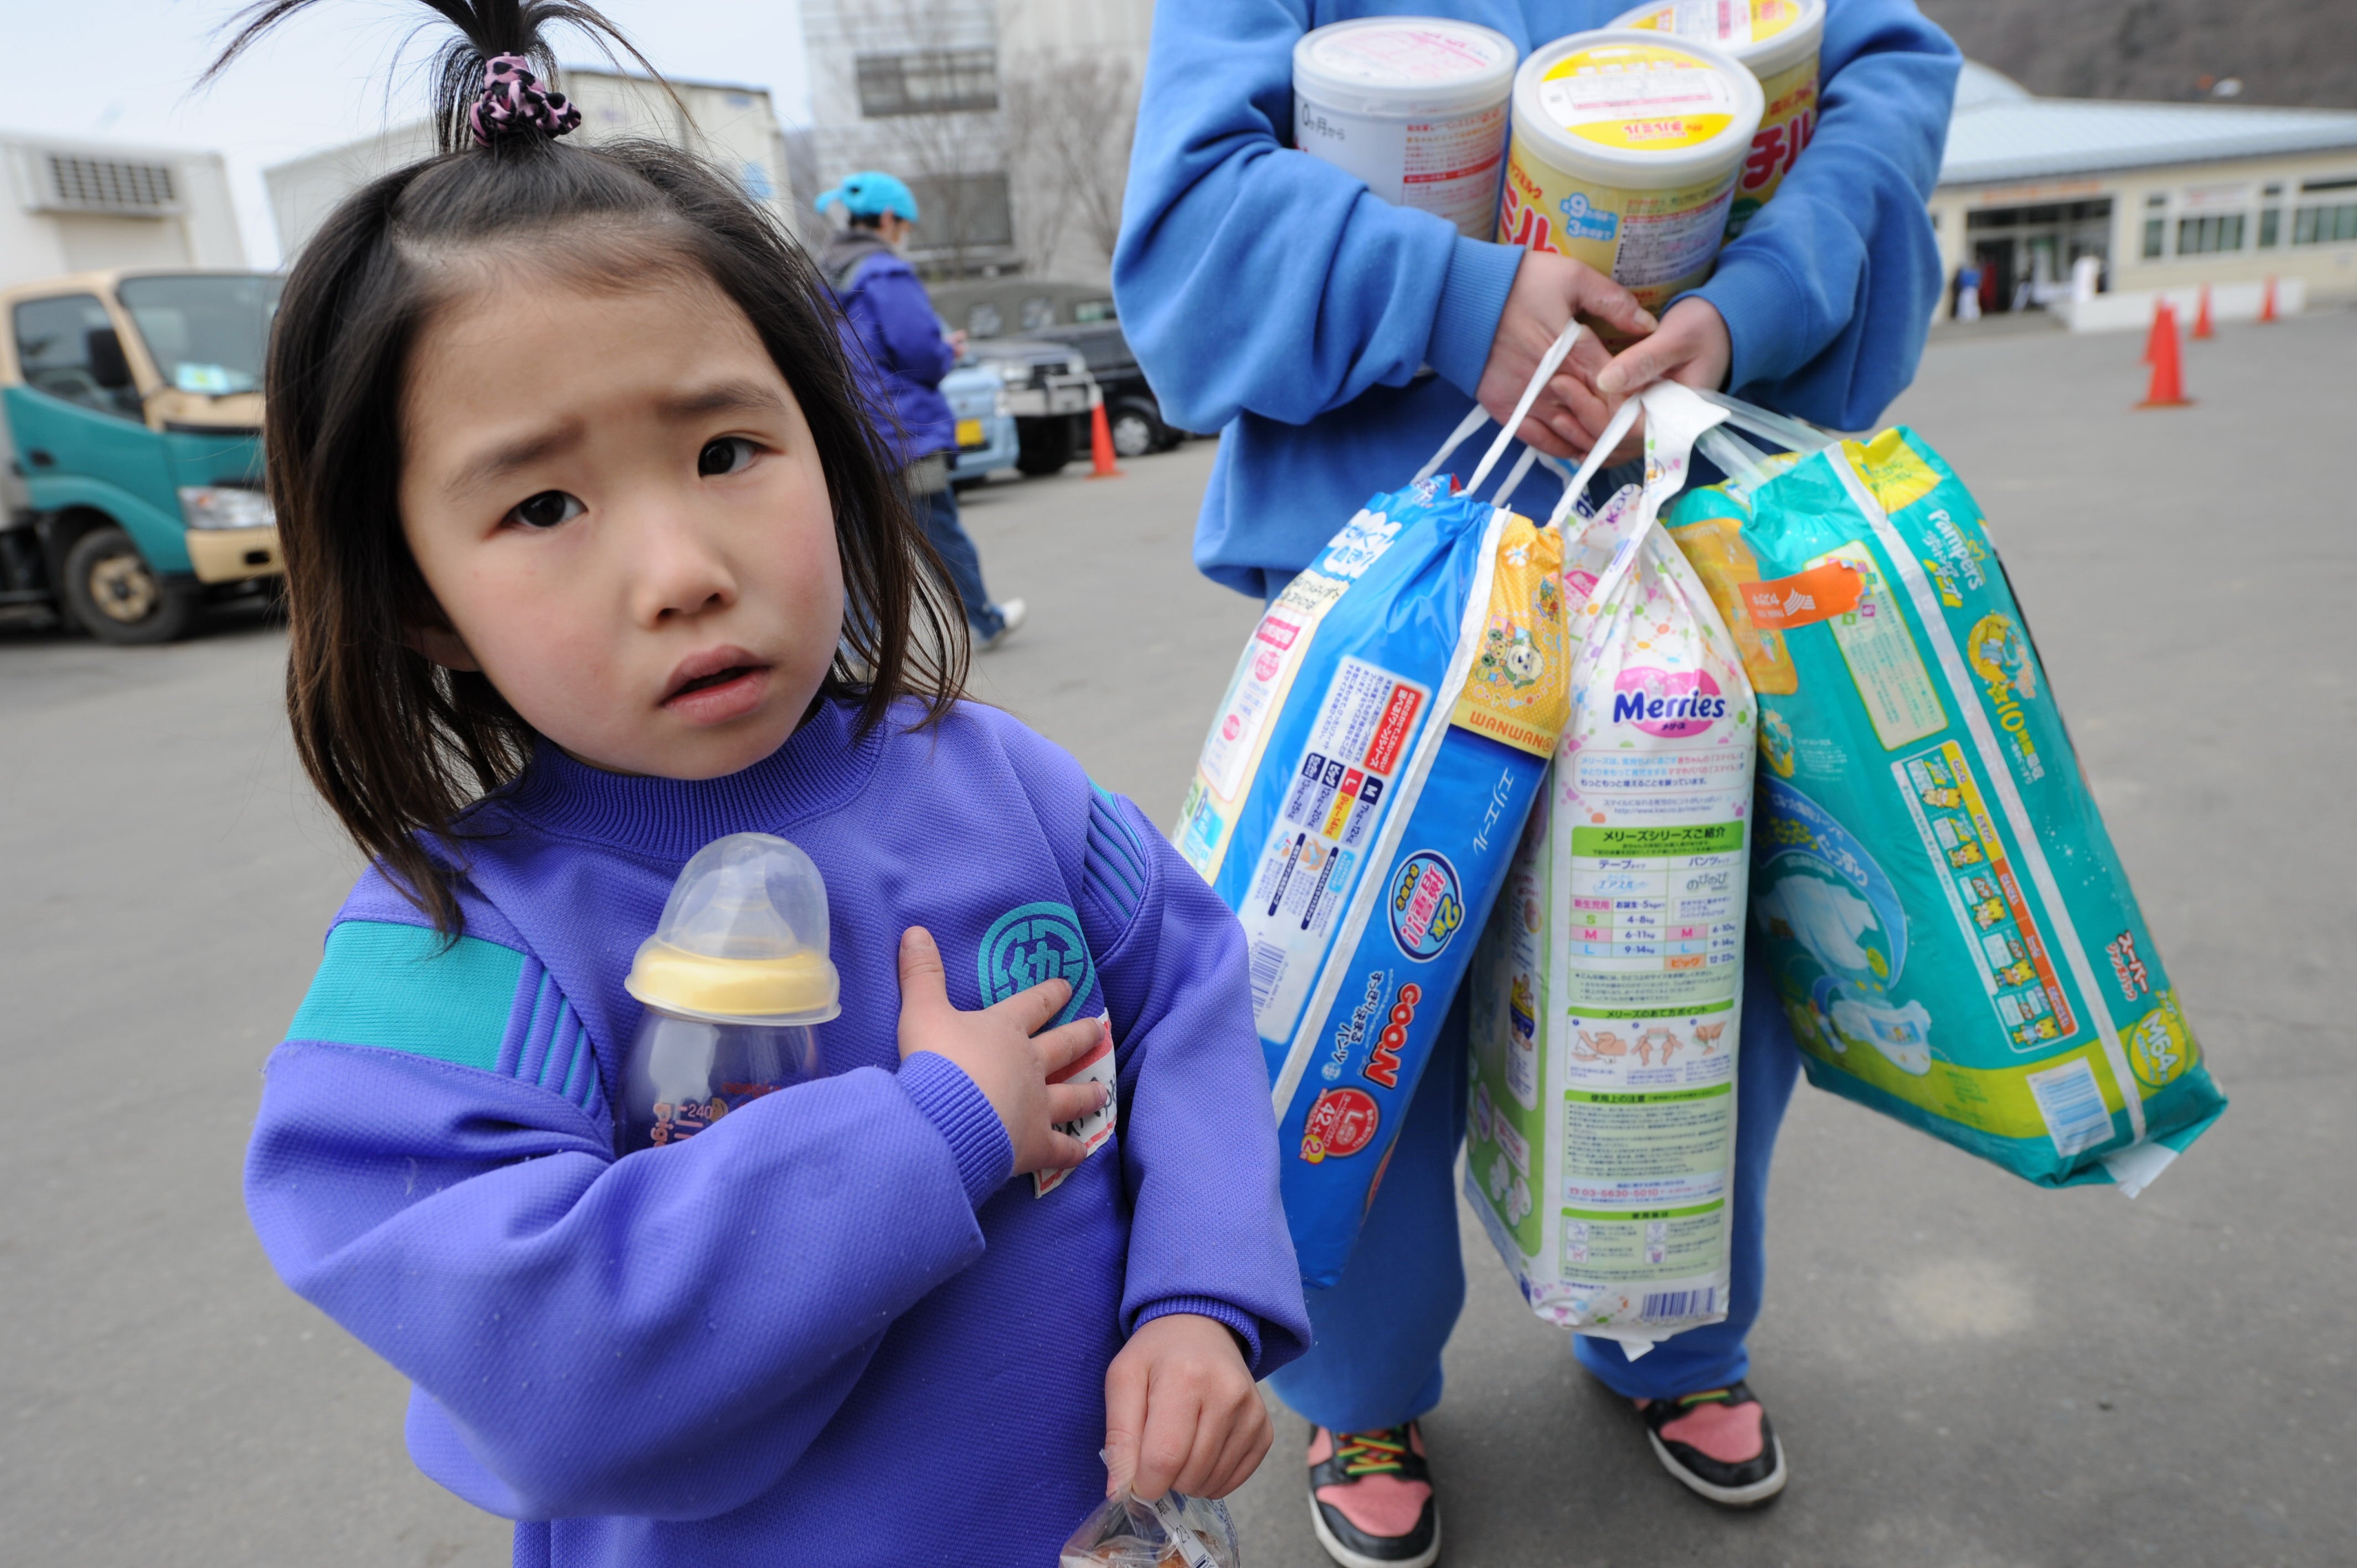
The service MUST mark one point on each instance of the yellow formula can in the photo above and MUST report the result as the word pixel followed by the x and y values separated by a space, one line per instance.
pixel 1625 154
pixel 1778 42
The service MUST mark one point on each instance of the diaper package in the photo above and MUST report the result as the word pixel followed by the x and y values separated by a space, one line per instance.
pixel 1945 918
pixel 1607 992
pixel 1357 801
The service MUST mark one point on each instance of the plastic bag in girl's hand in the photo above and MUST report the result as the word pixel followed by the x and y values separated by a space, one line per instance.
pixel 1173 1530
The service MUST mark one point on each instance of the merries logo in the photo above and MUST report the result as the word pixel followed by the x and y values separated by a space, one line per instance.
pixel 1667 702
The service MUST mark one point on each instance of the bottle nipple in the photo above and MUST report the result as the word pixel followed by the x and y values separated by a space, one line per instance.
pixel 743 939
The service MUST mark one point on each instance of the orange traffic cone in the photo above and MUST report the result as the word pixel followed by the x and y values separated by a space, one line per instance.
pixel 2152 337
pixel 1102 466
pixel 2202 327
pixel 2167 390
pixel 2268 301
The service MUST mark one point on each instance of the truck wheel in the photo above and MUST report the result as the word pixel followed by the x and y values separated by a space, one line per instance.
pixel 1043 446
pixel 1135 430
pixel 116 597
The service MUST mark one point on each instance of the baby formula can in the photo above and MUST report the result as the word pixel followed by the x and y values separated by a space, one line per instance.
pixel 1625 153
pixel 1777 41
pixel 1414 105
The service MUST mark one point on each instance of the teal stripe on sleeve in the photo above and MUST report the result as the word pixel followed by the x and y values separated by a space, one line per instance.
pixel 398 988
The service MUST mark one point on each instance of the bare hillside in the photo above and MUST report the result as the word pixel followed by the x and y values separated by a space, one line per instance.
pixel 2298 53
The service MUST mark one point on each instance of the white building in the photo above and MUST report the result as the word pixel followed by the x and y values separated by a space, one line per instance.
pixel 932 91
pixel 732 126
pixel 2163 196
pixel 73 206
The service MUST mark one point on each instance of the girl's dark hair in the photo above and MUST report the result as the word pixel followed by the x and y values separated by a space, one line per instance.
pixel 399 746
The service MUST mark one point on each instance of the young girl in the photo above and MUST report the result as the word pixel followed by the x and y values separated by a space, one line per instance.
pixel 593 561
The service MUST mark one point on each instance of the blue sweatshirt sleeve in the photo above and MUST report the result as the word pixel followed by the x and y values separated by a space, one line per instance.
pixel 1198 1136
pixel 1829 291
pixel 903 333
pixel 1251 276
pixel 661 1335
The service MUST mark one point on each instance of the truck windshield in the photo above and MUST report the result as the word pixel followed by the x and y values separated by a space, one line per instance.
pixel 205 331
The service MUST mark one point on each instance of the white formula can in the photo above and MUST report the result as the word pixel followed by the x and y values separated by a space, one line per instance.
pixel 1414 105
pixel 1778 41
pixel 1626 149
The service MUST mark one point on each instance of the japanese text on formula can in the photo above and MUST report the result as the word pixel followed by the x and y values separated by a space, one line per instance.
pixel 1625 153
pixel 1414 105
pixel 1777 41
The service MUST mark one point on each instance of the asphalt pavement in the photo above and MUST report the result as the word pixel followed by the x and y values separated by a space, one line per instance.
pixel 1969 1372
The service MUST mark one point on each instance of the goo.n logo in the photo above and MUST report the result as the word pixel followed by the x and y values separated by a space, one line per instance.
pixel 1427 905
pixel 1034 944
pixel 1667 702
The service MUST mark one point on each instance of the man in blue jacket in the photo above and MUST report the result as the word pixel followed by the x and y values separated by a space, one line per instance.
pixel 1335 340
pixel 893 317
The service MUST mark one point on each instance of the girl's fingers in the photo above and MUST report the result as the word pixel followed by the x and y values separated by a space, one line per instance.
pixel 1249 1435
pixel 1061 1150
pixel 1124 1421
pixel 1172 1420
pixel 1602 298
pixel 1065 1044
pixel 1030 1010
pixel 922 982
pixel 1071 1102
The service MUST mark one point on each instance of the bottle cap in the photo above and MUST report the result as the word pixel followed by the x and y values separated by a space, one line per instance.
pixel 743 939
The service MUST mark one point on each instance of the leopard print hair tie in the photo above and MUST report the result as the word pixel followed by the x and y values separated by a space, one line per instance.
pixel 514 102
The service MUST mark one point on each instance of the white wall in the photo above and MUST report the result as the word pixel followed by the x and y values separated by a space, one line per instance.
pixel 199 230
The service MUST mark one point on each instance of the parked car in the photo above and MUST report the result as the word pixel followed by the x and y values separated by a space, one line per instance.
pixel 1132 410
pixel 130 424
pixel 986 438
pixel 1048 392
pixel 984 309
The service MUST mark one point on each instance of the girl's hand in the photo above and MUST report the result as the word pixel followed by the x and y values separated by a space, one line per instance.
pixel 1001 1050
pixel 1549 291
pixel 1181 1411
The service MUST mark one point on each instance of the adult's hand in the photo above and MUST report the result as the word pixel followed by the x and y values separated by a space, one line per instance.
pixel 1691 347
pixel 1549 291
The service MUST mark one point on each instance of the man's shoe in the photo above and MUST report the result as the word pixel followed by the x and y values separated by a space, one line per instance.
pixel 1010 620
pixel 1370 1497
pixel 1719 1443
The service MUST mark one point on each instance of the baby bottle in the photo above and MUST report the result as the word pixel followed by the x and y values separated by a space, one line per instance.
pixel 733 979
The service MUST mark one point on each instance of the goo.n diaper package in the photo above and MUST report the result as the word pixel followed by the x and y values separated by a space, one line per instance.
pixel 1607 992
pixel 1939 905
pixel 1356 800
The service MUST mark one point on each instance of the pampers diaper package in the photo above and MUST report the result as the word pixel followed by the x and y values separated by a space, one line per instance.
pixel 1358 797
pixel 1937 901
pixel 1607 992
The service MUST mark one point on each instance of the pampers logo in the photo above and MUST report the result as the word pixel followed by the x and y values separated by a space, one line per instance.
pixel 1427 905
pixel 1581 221
pixel 1670 703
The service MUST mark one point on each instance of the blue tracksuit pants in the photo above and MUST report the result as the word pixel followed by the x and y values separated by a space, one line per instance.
pixel 1379 1331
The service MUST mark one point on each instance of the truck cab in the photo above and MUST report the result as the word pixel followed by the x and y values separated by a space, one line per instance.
pixel 131 434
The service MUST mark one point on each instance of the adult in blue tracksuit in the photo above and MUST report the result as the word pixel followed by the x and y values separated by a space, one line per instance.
pixel 906 356
pixel 1334 340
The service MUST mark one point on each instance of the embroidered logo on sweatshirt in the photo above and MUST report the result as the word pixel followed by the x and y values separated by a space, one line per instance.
pixel 1033 943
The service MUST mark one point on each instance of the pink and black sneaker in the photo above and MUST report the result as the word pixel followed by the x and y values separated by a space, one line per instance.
pixel 1719 1443
pixel 1370 1497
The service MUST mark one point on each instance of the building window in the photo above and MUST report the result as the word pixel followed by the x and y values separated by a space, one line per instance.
pixel 2155 238
pixel 2324 225
pixel 963 212
pixel 926 81
pixel 2270 228
pixel 2210 235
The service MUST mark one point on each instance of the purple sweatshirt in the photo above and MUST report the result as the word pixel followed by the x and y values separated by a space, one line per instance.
pixel 827 1329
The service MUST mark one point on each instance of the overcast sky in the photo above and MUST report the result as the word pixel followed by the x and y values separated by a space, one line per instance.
pixel 122 70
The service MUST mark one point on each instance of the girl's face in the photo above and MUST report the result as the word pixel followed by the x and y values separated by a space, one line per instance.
pixel 614 500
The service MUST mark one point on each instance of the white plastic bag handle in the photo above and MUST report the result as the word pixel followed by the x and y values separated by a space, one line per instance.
pixel 1549 363
pixel 1793 434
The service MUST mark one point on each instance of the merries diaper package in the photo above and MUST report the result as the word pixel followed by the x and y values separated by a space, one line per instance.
pixel 1934 896
pixel 1356 801
pixel 1607 995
